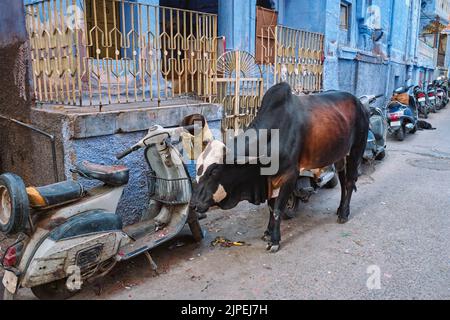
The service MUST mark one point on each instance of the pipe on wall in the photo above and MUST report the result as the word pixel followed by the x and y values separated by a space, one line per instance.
pixel 389 49
pixel 43 133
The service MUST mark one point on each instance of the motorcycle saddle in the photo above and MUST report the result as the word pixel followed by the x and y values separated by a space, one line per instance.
pixel 110 175
pixel 54 194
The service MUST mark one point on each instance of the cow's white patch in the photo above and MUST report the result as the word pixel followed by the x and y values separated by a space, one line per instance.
pixel 213 153
pixel 220 194
pixel 275 193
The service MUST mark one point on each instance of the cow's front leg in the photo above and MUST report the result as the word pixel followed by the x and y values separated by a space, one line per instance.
pixel 279 206
pixel 268 233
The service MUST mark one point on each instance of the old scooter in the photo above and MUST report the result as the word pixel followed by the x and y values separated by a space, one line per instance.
pixel 68 235
pixel 402 114
pixel 376 139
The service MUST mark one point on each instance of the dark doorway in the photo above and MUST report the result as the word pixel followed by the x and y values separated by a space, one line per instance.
pixel 268 4
pixel 207 6
pixel 195 22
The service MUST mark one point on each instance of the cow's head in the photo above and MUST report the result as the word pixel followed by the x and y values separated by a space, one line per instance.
pixel 224 185
pixel 210 189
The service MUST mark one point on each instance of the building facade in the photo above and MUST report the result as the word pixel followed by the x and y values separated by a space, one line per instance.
pixel 87 78
pixel 434 28
pixel 381 38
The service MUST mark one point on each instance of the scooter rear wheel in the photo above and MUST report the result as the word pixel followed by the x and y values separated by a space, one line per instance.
pixel 425 113
pixel 55 290
pixel 6 295
pixel 400 134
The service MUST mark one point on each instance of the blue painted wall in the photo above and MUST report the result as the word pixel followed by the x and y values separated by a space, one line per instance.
pixel 237 22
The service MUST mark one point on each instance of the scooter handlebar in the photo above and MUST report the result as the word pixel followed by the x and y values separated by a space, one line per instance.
pixel 141 144
pixel 125 153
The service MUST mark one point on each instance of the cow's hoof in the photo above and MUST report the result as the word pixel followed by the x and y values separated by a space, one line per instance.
pixel 273 248
pixel 342 220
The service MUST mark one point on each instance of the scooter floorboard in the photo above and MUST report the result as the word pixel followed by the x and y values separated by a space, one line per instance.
pixel 153 238
pixel 140 229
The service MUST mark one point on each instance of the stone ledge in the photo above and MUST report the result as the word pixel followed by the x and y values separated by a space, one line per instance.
pixel 348 53
pixel 86 124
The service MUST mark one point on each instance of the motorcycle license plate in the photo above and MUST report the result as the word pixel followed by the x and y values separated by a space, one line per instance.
pixel 440 94
pixel 10 281
pixel 395 124
pixel 421 99
pixel 432 98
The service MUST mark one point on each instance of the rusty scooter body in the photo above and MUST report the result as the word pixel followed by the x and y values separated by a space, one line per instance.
pixel 68 236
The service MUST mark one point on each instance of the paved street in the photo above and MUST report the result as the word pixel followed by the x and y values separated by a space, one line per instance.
pixel 399 224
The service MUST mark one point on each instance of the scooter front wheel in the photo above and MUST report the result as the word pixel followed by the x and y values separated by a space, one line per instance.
pixel 291 207
pixel 381 155
pixel 333 182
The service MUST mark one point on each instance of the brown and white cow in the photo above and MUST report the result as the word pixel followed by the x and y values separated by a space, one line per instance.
pixel 314 131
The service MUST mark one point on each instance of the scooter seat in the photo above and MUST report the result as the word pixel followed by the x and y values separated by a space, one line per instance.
pixel 110 175
pixel 54 194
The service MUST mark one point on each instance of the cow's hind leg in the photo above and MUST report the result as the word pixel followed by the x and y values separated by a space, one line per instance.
pixel 279 206
pixel 268 233
pixel 340 168
pixel 351 176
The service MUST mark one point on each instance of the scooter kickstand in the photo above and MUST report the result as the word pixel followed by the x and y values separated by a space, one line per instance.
pixel 152 262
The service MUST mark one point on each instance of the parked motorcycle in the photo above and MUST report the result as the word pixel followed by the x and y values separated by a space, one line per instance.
pixel 443 83
pixel 402 116
pixel 431 96
pixel 378 128
pixel 68 235
pixel 441 94
pixel 423 105
pixel 308 183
